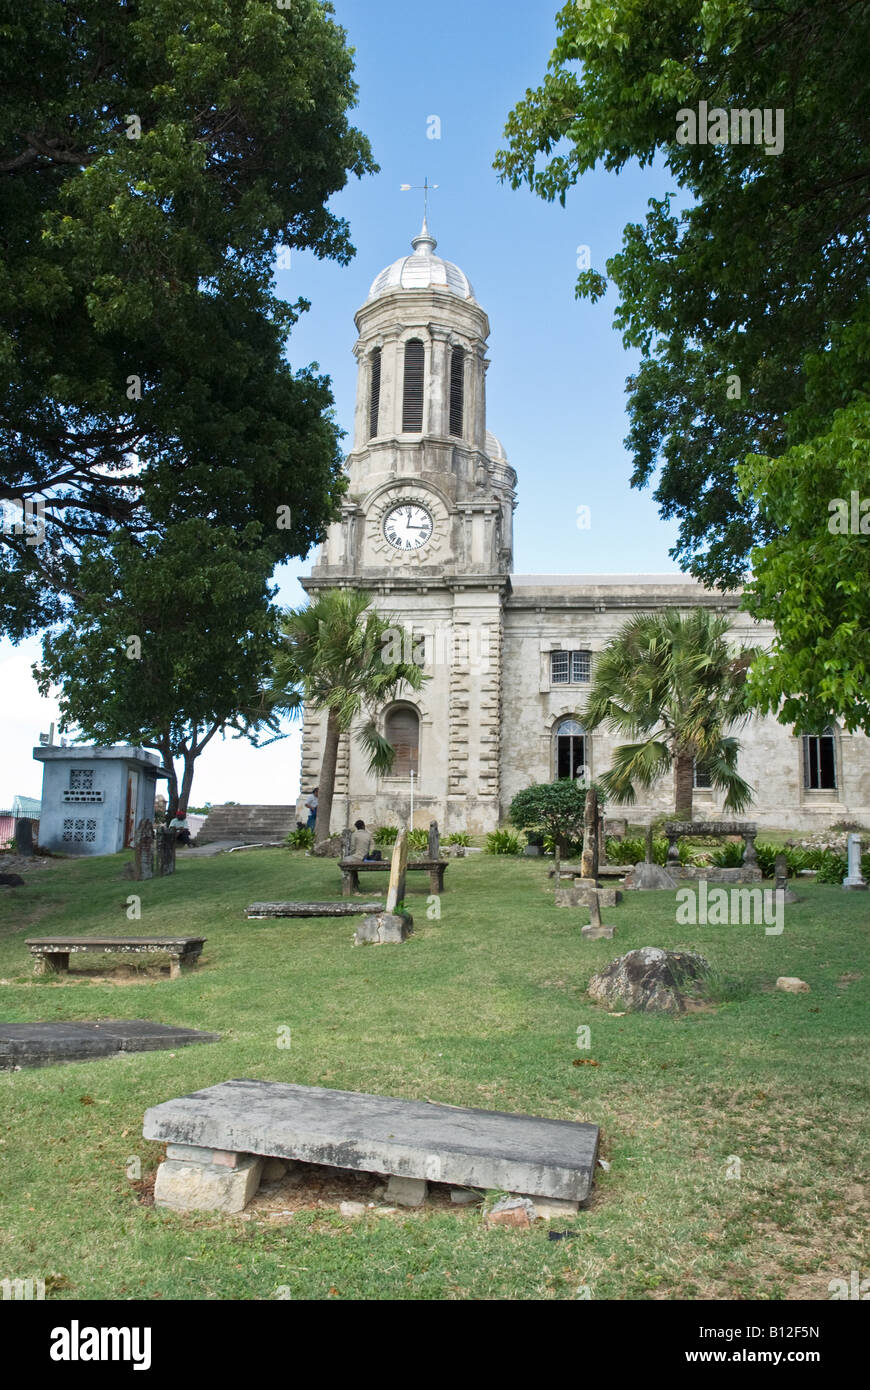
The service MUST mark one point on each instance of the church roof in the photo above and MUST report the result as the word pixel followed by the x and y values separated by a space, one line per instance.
pixel 422 270
pixel 495 448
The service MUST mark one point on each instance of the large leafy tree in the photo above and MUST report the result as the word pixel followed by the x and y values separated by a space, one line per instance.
pixel 172 644
pixel 154 156
pixel 813 578
pixel 672 684
pixel 338 655
pixel 749 307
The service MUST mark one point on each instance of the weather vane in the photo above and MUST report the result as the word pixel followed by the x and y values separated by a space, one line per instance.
pixel 426 187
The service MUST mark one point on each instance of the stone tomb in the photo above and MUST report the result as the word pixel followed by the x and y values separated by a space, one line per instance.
pixel 42 1044
pixel 219 1138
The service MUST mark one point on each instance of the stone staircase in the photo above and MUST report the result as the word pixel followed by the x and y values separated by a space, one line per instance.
pixel 248 825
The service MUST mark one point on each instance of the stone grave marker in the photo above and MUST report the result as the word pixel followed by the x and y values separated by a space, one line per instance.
pixel 390 927
pixel 780 883
pixel 165 850
pixel 143 851
pixel 434 840
pixel 589 859
pixel 854 878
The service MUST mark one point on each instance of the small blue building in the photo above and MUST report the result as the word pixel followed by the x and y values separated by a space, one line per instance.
pixel 93 798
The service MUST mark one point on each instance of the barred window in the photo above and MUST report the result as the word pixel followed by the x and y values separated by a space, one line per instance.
pixel 402 731
pixel 820 761
pixel 457 389
pixel 701 778
pixel 412 400
pixel 570 668
pixel 375 394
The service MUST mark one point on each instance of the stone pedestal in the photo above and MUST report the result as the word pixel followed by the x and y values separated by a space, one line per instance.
pixel 195 1179
pixel 854 878
pixel 384 929
pixel 780 884
pixel 589 858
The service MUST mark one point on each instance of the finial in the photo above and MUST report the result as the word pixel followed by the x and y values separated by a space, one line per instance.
pixel 425 243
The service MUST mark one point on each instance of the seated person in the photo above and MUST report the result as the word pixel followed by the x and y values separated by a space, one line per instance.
pixel 361 842
pixel 179 825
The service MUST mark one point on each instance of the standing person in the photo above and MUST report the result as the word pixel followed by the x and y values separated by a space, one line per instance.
pixel 311 803
pixel 361 841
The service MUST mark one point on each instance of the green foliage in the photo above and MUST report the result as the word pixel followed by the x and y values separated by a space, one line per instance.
pixel 730 856
pixel 673 682
pixel 813 578
pixel 154 258
pixel 301 838
pixel 831 867
pixel 418 839
pixel 502 842
pixel 761 273
pixel 555 808
pixel 145 661
pixel 386 835
pixel 458 837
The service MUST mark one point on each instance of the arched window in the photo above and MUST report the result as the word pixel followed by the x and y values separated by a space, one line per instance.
pixel 570 756
pixel 375 393
pixel 820 761
pixel 457 389
pixel 402 732
pixel 412 399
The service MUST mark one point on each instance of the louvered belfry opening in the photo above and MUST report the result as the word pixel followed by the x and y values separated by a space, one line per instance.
pixel 457 390
pixel 402 732
pixel 375 395
pixel 412 400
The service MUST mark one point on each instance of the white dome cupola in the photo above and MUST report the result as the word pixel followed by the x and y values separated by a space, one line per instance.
pixel 422 270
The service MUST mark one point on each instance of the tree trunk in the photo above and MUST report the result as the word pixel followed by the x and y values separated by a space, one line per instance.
pixel 684 780
pixel 164 747
pixel 327 777
pixel 186 782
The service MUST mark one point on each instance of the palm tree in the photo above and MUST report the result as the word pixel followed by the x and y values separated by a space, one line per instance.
pixel 672 683
pixel 336 657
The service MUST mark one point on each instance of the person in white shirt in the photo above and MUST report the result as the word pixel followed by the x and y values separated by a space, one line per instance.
pixel 311 803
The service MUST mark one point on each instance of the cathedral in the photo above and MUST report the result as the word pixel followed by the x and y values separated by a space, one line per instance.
pixel 427 528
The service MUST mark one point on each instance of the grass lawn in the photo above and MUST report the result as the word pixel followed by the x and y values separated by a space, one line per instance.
pixel 480 1008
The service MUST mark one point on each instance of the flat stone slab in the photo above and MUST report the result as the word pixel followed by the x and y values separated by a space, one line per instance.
pixel 43 1044
pixel 339 909
pixel 381 1134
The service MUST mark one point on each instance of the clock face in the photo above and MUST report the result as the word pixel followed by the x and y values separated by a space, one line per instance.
pixel 408 526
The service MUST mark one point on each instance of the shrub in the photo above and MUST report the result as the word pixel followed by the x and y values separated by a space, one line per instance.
pixel 303 838
pixel 832 868
pixel 502 842
pixel 386 835
pixel 417 839
pixel 458 837
pixel 555 808
pixel 535 837
pixel 730 856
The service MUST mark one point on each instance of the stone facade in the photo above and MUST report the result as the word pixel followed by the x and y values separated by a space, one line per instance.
pixel 427 528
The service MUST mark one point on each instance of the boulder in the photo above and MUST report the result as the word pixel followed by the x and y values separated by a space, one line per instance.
pixel 792 985
pixel 648 877
pixel 328 849
pixel 651 980
pixel 384 929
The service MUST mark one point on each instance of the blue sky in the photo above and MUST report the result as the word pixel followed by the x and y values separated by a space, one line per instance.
pixel 556 386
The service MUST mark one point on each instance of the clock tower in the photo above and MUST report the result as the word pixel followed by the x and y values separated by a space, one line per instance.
pixel 426 527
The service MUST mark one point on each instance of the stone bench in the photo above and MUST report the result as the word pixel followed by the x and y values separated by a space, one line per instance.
pixel 218 1139
pixel 352 868
pixel 51 953
pixel 747 830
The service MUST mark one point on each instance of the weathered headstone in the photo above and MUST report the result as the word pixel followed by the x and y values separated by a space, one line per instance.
pixel 602 840
pixel 389 927
pixel 346 837
pixel 24 838
pixel 589 859
pixel 780 883
pixel 854 877
pixel 143 851
pixel 165 850
pixel 648 856
pixel 398 864
pixel 434 840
